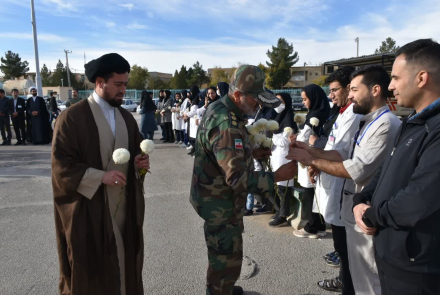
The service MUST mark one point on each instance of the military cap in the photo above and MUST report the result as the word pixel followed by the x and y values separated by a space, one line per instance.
pixel 106 64
pixel 250 79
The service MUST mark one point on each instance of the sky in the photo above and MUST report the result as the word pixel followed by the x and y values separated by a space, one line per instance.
pixel 163 35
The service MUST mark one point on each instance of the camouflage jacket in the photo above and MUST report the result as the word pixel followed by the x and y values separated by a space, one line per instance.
pixel 223 172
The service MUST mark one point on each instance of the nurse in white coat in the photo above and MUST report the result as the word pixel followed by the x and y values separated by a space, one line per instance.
pixel 280 150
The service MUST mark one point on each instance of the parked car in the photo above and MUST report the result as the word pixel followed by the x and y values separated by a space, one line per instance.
pixel 129 105
pixel 62 106
pixel 297 104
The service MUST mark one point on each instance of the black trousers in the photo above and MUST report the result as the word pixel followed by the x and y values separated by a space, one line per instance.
pixel 178 135
pixel 394 281
pixel 340 244
pixel 282 202
pixel 169 136
pixel 19 128
pixel 5 124
pixel 316 222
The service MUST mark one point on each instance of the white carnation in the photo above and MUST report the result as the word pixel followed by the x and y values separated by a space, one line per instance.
pixel 251 129
pixel 272 125
pixel 121 156
pixel 259 139
pixel 267 143
pixel 288 131
pixel 261 125
pixel 147 146
pixel 169 107
pixel 299 119
pixel 314 121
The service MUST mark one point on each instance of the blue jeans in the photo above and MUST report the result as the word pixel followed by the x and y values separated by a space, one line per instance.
pixel 250 202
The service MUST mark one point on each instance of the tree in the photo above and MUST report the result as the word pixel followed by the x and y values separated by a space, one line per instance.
pixel 58 74
pixel 12 66
pixel 198 75
pixel 157 83
pixel 266 74
pixel 320 81
pixel 45 76
pixel 138 78
pixel 282 58
pixel 388 46
pixel 182 83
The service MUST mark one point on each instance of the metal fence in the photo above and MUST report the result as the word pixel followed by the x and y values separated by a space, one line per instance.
pixel 136 94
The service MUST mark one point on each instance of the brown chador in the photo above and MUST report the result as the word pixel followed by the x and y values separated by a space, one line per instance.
pixel 100 247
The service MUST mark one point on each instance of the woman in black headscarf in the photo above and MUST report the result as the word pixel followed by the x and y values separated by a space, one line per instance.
pixel 279 152
pixel 192 127
pixel 223 88
pixel 148 121
pixel 315 100
pixel 166 117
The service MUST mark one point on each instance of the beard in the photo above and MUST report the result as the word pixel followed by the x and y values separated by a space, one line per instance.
pixel 113 101
pixel 362 109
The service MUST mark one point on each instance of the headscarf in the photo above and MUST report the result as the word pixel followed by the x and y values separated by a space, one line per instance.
pixel 147 102
pixel 319 108
pixel 167 95
pixel 223 87
pixel 184 94
pixel 194 95
pixel 285 118
pixel 202 98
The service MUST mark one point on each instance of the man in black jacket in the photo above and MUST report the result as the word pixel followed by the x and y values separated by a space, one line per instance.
pixel 17 109
pixel 404 214
pixel 4 119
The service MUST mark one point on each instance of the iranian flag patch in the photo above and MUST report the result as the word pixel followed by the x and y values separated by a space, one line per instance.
pixel 238 144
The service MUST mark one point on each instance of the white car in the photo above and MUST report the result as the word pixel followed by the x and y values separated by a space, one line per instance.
pixel 62 106
pixel 129 105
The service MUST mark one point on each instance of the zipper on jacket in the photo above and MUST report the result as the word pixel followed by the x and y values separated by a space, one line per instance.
pixel 405 121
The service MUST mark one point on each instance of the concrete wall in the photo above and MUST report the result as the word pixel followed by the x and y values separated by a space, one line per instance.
pixel 63 92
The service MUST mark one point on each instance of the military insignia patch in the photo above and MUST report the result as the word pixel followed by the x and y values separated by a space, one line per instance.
pixel 234 123
pixel 238 144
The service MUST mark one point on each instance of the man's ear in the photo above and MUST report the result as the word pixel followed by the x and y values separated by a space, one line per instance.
pixel 422 79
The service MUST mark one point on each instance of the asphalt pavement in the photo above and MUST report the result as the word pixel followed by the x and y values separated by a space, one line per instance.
pixel 175 254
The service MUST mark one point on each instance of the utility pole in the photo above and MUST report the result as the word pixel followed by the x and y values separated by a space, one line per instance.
pixel 304 85
pixel 357 41
pixel 67 65
pixel 37 62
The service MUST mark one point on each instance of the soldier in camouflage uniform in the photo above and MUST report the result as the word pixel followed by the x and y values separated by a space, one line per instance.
pixel 75 98
pixel 224 174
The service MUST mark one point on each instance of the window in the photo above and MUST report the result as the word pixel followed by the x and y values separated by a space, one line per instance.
pixel 330 69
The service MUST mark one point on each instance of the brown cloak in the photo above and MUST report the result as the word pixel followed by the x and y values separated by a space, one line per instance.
pixel 86 242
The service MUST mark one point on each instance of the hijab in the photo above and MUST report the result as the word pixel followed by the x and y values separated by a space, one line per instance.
pixel 195 91
pixel 167 95
pixel 223 87
pixel 184 94
pixel 319 108
pixel 147 102
pixel 285 118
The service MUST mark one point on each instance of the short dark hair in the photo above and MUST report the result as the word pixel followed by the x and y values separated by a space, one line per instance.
pixel 424 53
pixel 341 75
pixel 213 88
pixel 75 89
pixel 2 91
pixel 161 90
pixel 51 93
pixel 374 75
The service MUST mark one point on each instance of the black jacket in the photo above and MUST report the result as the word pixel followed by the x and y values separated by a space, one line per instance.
pixel 20 109
pixel 53 106
pixel 405 197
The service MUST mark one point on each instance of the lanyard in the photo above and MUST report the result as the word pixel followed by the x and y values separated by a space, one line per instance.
pixel 366 129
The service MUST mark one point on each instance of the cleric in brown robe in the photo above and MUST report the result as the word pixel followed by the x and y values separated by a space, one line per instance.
pixel 100 251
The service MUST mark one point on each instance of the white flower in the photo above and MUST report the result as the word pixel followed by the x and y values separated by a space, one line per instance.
pixel 121 156
pixel 314 121
pixel 251 129
pixel 288 131
pixel 169 107
pixel 259 139
pixel 261 124
pixel 300 119
pixel 147 146
pixel 267 143
pixel 272 125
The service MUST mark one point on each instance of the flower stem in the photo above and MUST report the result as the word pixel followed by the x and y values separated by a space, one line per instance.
pixel 119 202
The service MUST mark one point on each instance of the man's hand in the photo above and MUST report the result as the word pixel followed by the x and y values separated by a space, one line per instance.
pixel 359 212
pixel 300 155
pixel 14 114
pixel 261 154
pixel 286 172
pixel 34 113
pixel 313 172
pixel 142 162
pixel 292 139
pixel 114 178
pixel 312 139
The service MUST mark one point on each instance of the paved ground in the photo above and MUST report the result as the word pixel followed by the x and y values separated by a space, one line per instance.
pixel 175 254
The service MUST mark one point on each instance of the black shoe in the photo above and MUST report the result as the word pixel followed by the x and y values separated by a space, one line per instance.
pixel 8 142
pixel 263 210
pixel 275 216
pixel 18 143
pixel 4 142
pixel 23 143
pixel 279 221
pixel 248 212
pixel 237 290
pixel 163 138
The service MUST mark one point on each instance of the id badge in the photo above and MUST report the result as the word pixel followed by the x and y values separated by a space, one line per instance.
pixel 19 106
pixel 331 140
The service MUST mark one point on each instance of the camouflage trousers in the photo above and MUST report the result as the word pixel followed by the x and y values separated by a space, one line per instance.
pixel 225 255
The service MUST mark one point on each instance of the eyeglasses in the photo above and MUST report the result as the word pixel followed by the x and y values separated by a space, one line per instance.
pixel 335 89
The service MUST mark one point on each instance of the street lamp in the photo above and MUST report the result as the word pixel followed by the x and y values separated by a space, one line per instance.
pixel 304 85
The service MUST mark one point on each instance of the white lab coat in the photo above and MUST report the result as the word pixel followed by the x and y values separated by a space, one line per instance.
pixel 329 188
pixel 303 176
pixel 183 108
pixel 192 114
pixel 279 154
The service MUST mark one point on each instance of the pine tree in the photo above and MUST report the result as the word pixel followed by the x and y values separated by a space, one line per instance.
pixel 388 46
pixel 58 74
pixel 181 79
pixel 173 83
pixel 198 76
pixel 138 78
pixel 282 58
pixel 12 66
pixel 45 76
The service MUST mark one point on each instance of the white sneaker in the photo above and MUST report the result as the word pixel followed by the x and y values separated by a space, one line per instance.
pixel 180 142
pixel 301 233
pixel 189 147
pixel 184 145
pixel 322 233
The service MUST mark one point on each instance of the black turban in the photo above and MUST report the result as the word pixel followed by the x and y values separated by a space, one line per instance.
pixel 106 64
